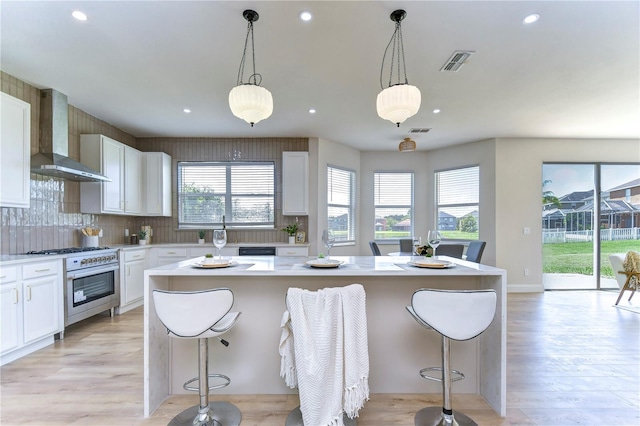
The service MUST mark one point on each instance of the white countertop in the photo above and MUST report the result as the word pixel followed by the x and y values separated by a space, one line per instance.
pixel 17 259
pixel 352 266
pixel 208 243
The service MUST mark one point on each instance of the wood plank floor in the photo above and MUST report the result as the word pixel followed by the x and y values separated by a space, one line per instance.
pixel 571 359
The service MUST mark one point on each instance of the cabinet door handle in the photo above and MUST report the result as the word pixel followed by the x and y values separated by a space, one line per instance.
pixel 128 270
pixel 15 296
pixel 42 270
pixel 28 293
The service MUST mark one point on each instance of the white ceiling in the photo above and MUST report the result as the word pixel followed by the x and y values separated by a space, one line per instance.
pixel 573 74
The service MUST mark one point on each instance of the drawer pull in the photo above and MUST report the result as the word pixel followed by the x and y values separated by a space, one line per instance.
pixel 28 292
pixel 137 256
pixel 43 270
pixel 171 252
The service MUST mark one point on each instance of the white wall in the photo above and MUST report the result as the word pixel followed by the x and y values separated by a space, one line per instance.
pixel 519 196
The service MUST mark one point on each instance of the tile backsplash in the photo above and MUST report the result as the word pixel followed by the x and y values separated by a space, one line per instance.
pixel 54 219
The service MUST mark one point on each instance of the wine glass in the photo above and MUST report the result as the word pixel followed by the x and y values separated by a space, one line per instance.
pixel 328 239
pixel 219 240
pixel 434 238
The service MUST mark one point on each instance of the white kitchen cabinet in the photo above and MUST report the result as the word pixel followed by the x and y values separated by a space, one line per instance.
pixel 157 183
pixel 292 251
pixel 166 255
pixel 15 152
pixel 40 301
pixel 295 183
pixel 132 266
pixel 10 311
pixel 133 181
pixel 210 248
pixel 107 157
pixel 32 307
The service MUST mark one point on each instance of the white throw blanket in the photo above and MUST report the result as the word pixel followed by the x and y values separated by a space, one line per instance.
pixel 328 359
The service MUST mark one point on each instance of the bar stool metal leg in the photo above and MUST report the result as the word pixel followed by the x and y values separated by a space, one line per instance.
pixel 207 413
pixel 445 416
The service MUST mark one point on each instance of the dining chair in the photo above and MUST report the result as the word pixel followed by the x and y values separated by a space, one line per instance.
pixel 451 250
pixel 374 248
pixel 406 245
pixel 475 250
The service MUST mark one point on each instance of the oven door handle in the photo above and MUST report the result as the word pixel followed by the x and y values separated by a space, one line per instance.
pixel 89 272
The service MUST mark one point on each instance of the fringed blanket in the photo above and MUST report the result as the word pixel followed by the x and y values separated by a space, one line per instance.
pixel 324 351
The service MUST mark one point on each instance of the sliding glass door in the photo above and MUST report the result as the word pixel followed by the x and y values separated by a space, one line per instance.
pixel 589 212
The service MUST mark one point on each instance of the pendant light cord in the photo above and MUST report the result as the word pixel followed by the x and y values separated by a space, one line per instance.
pixel 255 75
pixel 396 50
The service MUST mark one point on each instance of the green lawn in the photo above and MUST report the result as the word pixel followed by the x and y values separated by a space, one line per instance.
pixel 577 258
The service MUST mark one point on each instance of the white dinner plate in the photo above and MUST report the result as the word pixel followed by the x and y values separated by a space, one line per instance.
pixel 216 264
pixel 431 264
pixel 324 263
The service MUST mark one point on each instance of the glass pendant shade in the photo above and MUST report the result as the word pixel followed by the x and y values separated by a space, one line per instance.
pixel 251 103
pixel 399 102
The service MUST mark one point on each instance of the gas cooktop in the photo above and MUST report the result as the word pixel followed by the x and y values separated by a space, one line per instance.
pixel 68 250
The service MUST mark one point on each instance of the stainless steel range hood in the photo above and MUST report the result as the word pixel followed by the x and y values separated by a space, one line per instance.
pixel 53 156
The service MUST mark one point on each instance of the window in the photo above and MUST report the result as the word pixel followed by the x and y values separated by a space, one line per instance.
pixel 235 193
pixel 457 202
pixel 341 195
pixel 393 205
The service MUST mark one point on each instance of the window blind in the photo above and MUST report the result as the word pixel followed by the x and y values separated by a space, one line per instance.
pixel 341 203
pixel 241 192
pixel 393 205
pixel 458 202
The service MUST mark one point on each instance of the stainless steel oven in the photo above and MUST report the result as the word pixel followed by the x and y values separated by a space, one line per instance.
pixel 93 284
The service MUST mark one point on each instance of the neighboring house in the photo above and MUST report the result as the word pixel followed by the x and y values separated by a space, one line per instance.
pixel 403 225
pixel 447 222
pixel 575 200
pixel 553 219
pixel 339 223
pixel 629 192
pixel 381 224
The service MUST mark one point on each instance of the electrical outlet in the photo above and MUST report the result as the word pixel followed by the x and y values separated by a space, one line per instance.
pixel 126 232
pixel 526 230
pixel 526 272
pixel 100 233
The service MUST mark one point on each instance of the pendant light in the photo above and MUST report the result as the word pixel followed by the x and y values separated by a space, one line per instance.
pixel 248 100
pixel 399 100
pixel 407 145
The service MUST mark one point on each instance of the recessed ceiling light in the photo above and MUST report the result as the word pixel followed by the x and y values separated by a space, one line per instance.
pixel 530 19
pixel 305 15
pixel 436 111
pixel 186 110
pixel 79 15
pixel 312 111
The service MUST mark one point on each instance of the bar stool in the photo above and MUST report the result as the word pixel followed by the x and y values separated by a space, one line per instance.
pixel 457 315
pixel 200 315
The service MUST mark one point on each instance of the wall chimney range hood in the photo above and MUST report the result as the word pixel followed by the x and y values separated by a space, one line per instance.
pixel 53 156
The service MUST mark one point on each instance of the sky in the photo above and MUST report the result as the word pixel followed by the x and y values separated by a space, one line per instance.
pixel 567 178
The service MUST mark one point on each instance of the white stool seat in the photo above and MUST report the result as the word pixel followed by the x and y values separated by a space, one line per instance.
pixel 200 315
pixel 457 315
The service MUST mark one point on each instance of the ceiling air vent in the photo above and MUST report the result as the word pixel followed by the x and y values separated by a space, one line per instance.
pixel 419 130
pixel 457 60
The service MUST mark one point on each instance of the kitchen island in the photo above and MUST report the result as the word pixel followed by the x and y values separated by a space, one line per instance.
pixel 398 346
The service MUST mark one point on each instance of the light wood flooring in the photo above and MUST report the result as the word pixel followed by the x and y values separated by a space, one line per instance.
pixel 571 359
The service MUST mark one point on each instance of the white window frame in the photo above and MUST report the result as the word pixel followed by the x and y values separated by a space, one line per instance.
pixel 350 206
pixel 440 205
pixel 228 195
pixel 410 206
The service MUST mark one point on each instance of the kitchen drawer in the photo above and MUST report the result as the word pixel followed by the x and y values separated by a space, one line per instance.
pixel 135 255
pixel 33 270
pixel 292 251
pixel 8 274
pixel 172 252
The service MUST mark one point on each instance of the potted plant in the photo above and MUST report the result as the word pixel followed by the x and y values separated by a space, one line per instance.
pixel 201 237
pixel 142 237
pixel 208 258
pixel 291 231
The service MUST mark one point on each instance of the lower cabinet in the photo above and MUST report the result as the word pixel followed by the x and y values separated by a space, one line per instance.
pixel 132 266
pixel 31 307
pixel 292 251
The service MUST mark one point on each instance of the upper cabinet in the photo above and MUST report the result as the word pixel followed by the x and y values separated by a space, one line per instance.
pixel 295 183
pixel 107 157
pixel 157 183
pixel 15 150
pixel 133 180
